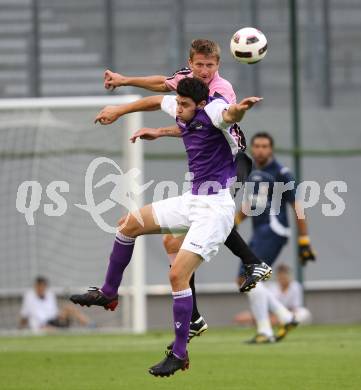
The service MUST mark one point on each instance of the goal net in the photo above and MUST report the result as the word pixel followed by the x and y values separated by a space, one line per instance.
pixel 60 175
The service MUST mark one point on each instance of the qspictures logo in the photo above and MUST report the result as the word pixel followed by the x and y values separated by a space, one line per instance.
pixel 126 189
pixel 124 193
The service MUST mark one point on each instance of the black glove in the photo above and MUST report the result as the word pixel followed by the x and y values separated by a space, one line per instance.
pixel 305 251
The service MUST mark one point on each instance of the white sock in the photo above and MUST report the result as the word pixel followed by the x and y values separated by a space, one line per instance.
pixel 277 308
pixel 259 306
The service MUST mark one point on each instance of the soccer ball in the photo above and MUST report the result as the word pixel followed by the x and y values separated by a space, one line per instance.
pixel 248 45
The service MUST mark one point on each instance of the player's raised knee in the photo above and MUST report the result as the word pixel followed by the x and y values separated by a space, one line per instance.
pixel 171 244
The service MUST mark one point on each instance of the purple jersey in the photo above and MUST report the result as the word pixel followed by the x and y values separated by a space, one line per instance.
pixel 209 144
pixel 219 88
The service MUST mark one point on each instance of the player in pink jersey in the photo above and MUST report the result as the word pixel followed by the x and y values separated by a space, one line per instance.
pixel 204 62
pixel 218 86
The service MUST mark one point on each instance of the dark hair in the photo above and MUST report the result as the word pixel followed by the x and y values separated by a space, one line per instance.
pixel 205 47
pixel 263 134
pixel 41 280
pixel 283 268
pixel 193 88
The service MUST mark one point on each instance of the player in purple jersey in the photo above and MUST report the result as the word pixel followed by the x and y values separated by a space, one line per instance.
pixel 204 62
pixel 206 213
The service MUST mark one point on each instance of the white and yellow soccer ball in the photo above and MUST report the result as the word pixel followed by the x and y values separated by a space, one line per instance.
pixel 248 45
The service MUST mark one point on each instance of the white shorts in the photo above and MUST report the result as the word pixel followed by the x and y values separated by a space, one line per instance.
pixel 207 220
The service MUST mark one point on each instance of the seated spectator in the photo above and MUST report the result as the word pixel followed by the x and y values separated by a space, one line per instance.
pixel 289 292
pixel 40 311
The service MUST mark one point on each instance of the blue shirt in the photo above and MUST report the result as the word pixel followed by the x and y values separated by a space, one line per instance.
pixel 264 180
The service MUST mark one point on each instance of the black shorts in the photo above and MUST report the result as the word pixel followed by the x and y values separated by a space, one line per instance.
pixel 243 168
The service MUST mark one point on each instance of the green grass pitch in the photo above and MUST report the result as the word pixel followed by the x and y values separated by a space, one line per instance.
pixel 311 358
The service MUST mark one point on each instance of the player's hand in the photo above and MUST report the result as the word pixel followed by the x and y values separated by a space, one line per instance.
pixel 147 133
pixel 108 115
pixel 113 80
pixel 305 251
pixel 249 102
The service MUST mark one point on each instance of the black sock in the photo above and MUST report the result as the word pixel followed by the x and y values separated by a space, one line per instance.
pixel 239 248
pixel 195 312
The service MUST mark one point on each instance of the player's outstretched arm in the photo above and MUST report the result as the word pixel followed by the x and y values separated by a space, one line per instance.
pixel 110 114
pixel 151 134
pixel 236 112
pixel 156 83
